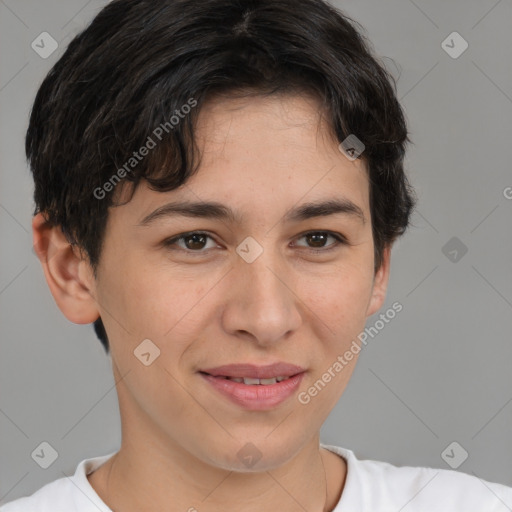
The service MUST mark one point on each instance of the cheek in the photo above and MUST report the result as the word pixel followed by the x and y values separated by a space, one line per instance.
pixel 152 300
pixel 154 305
pixel 338 315
pixel 339 298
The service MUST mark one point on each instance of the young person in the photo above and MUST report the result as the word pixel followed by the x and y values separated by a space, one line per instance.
pixel 218 186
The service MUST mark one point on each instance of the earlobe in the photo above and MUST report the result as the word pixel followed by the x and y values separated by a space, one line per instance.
pixel 380 283
pixel 68 275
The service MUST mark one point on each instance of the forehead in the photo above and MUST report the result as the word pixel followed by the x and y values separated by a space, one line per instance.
pixel 258 119
pixel 261 154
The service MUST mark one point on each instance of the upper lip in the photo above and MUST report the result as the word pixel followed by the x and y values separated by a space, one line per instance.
pixel 255 372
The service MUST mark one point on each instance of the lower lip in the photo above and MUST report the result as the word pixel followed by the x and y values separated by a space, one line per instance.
pixel 256 397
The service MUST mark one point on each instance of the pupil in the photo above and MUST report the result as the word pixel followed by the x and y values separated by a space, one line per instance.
pixel 317 237
pixel 199 245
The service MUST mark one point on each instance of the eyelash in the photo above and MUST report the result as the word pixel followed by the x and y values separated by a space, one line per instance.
pixel 340 240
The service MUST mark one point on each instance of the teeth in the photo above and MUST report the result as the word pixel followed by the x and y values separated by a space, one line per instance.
pixel 253 382
pixel 250 382
pixel 268 381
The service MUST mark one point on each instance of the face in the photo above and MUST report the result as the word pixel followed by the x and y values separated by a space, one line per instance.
pixel 272 282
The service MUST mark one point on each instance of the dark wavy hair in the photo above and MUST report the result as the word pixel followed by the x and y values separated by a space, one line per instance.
pixel 140 61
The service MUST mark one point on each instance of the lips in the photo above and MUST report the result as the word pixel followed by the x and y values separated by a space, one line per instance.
pixel 254 375
pixel 248 381
pixel 254 397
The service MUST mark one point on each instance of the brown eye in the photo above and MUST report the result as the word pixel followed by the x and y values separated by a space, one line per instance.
pixel 317 240
pixel 190 242
pixel 195 241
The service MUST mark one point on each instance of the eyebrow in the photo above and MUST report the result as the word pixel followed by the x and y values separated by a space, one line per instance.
pixel 215 210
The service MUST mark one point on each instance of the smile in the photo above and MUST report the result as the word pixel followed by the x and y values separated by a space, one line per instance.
pixel 248 381
pixel 252 393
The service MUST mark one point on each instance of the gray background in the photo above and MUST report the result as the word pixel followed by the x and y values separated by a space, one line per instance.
pixel 439 372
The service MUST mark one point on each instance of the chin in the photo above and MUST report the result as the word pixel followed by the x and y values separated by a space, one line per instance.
pixel 253 457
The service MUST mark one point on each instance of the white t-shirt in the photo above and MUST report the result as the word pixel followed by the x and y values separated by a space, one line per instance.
pixel 370 486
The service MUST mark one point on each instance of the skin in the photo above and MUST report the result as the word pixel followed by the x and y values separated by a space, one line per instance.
pixel 180 437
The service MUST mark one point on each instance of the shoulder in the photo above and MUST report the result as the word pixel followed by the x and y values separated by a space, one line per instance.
pixel 53 497
pixel 67 494
pixel 376 485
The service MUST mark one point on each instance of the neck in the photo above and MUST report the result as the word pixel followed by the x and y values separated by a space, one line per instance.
pixel 145 482
pixel 145 479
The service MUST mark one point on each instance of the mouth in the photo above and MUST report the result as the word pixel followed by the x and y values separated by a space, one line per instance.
pixel 249 371
pixel 253 387
pixel 248 381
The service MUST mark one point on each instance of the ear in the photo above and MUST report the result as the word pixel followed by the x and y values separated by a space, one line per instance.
pixel 380 283
pixel 69 276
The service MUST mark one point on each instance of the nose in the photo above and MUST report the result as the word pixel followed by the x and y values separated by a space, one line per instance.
pixel 262 304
